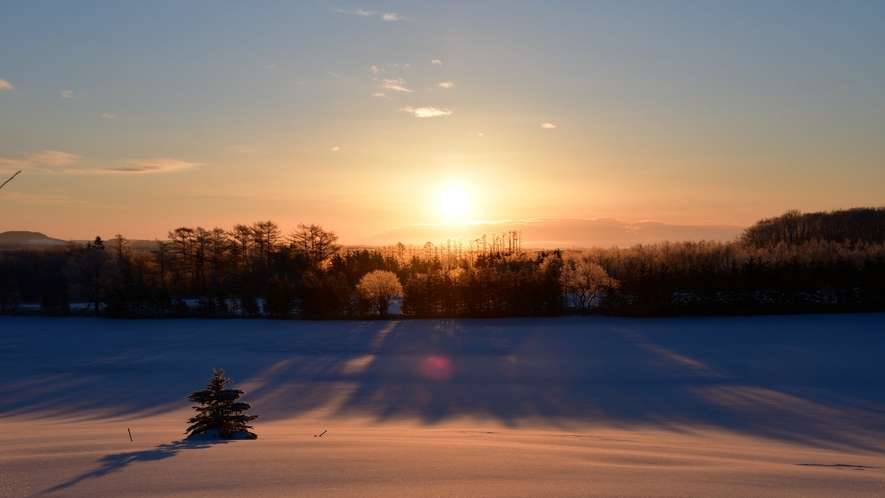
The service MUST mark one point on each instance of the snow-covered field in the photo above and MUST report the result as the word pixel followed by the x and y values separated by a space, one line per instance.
pixel 750 406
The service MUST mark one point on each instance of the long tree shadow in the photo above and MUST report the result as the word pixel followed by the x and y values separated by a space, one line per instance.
pixel 801 382
pixel 109 368
pixel 816 380
pixel 118 461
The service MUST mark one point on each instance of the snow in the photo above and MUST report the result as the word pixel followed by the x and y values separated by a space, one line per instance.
pixel 573 406
pixel 213 434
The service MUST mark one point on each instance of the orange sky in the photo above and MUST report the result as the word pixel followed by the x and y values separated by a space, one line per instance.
pixel 139 119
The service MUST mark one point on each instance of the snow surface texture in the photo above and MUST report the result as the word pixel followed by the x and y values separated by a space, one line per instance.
pixel 749 406
pixel 213 434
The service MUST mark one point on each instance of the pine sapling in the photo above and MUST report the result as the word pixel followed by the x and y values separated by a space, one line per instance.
pixel 220 409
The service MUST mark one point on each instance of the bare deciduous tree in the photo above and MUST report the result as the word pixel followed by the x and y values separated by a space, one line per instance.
pixel 318 244
pixel 162 259
pixel 91 273
pixel 242 237
pixel 266 236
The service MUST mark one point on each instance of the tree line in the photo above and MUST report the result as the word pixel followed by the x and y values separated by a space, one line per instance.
pixel 815 262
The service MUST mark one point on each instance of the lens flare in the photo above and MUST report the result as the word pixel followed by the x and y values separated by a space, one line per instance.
pixel 436 368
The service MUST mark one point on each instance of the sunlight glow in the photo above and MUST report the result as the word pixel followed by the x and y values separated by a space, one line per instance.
pixel 454 202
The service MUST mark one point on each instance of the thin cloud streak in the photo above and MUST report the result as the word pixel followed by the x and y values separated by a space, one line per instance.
pixel 53 158
pixel 13 164
pixel 356 12
pixel 386 16
pixel 445 84
pixel 39 198
pixel 395 84
pixel 72 95
pixel 548 126
pixel 5 85
pixel 426 112
pixel 152 165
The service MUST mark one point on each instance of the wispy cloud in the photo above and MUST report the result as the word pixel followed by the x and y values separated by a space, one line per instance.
pixel 108 115
pixel 335 149
pixel 436 62
pixel 5 85
pixel 387 16
pixel 334 75
pixel 52 158
pixel 395 84
pixel 375 70
pixel 24 198
pixel 72 95
pixel 380 94
pixel 56 161
pixel 152 165
pixel 426 112
pixel 548 126
pixel 11 164
pixel 445 84
pixel 356 12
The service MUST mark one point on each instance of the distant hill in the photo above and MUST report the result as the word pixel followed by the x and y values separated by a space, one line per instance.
pixel 137 244
pixel 22 238
pixel 563 232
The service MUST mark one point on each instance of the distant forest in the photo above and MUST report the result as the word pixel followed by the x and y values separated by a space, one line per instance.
pixel 793 263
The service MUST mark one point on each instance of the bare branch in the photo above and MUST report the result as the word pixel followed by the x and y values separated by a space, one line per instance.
pixel 10 178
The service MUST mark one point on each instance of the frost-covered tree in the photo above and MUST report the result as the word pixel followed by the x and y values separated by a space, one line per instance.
pixel 584 282
pixel 380 287
pixel 220 409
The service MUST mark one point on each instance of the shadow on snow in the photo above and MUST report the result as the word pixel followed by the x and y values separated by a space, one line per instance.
pixel 810 379
pixel 118 461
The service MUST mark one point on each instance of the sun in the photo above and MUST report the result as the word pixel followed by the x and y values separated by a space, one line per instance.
pixel 453 202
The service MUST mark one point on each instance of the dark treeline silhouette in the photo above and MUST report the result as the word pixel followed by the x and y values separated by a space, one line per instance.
pixel 712 278
pixel 794 228
pixel 790 264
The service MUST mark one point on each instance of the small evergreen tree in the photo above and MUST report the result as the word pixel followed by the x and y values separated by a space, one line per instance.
pixel 220 409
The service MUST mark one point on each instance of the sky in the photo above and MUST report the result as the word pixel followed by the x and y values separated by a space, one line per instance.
pixel 373 118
